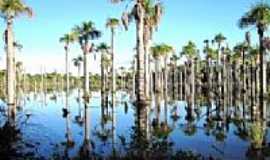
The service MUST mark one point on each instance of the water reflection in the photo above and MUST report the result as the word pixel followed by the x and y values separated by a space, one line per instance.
pixel 202 126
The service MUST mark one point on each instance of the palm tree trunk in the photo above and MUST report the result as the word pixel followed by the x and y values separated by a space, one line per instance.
pixel 86 124
pixel 224 76
pixel 68 127
pixel 209 77
pixel 102 76
pixel 157 77
pixel 134 79
pixel 113 66
pixel 11 70
pixel 147 43
pixel 67 77
pixel 140 53
pixel 165 77
pixel 219 71
pixel 193 83
pixel 181 84
pixel 85 71
pixel 79 74
pixel 262 70
pixel 186 88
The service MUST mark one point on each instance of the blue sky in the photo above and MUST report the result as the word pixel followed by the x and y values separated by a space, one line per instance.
pixel 183 20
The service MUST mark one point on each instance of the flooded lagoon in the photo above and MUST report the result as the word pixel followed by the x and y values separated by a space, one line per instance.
pixel 164 128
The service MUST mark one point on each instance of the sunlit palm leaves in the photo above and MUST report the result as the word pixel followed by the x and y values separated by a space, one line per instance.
pixel 68 38
pixel 13 8
pixel 161 50
pixel 258 15
pixel 190 50
pixel 85 32
pixel 112 23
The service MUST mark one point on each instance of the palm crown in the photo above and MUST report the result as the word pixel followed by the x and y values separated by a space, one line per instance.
pixel 161 50
pixel 112 23
pixel 190 50
pixel 13 8
pixel 86 32
pixel 258 15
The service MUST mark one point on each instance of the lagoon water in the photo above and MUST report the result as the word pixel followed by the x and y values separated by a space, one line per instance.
pixel 43 128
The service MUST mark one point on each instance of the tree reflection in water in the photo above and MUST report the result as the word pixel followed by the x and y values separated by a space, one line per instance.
pixel 151 133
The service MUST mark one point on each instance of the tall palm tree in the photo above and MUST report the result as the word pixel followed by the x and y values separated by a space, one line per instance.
pixel 104 49
pixel 211 54
pixel 191 52
pixel 219 39
pixel 113 23
pixel 153 12
pixel 259 16
pixel 10 9
pixel 138 14
pixel 166 50
pixel 67 39
pixel 174 58
pixel 85 33
pixel 241 49
pixel 161 51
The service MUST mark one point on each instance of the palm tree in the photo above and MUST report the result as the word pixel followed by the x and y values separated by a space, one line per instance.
pixel 259 16
pixel 10 9
pixel 85 33
pixel 77 63
pixel 166 50
pixel 104 49
pixel 219 39
pixel 159 51
pixel 153 12
pixel 67 39
pixel 138 13
pixel 190 51
pixel 113 23
pixel 242 48
pixel 174 60
pixel 211 54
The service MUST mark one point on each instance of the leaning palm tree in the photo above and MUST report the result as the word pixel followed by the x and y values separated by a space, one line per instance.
pixel 259 16
pixel 85 33
pixel 113 23
pixel 10 9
